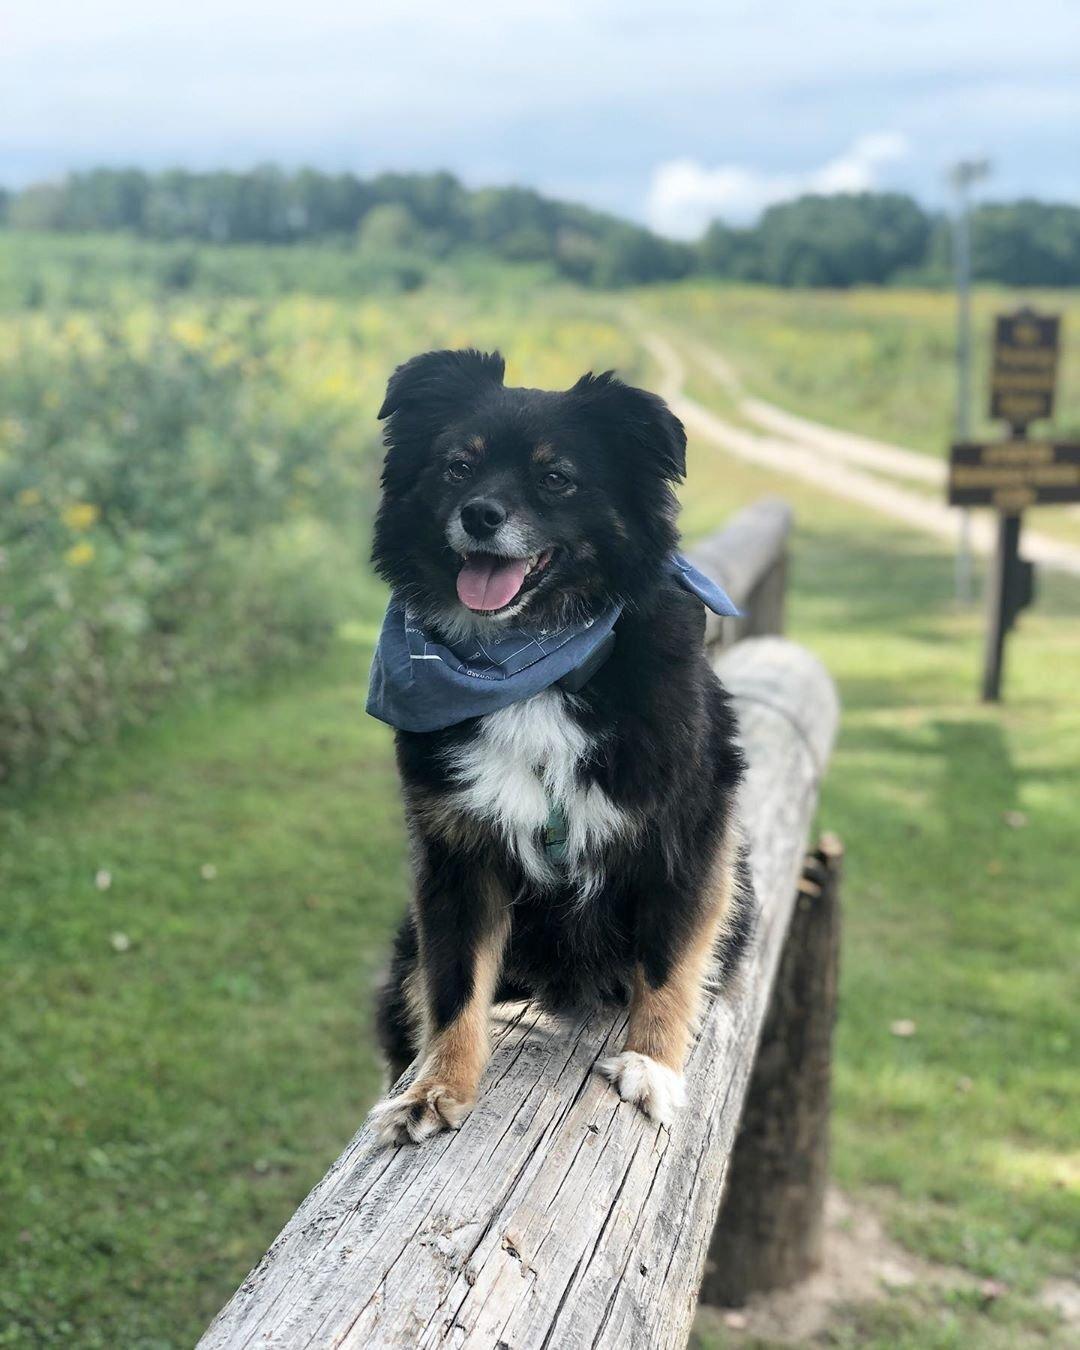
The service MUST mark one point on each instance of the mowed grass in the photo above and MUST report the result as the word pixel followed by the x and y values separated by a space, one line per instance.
pixel 187 1047
pixel 959 822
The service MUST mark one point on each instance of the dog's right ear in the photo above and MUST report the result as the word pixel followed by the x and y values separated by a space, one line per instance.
pixel 436 384
pixel 424 396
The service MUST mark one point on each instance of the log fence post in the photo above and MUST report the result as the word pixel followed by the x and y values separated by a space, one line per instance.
pixel 769 1231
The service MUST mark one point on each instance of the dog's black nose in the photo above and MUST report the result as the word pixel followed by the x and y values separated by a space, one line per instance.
pixel 482 517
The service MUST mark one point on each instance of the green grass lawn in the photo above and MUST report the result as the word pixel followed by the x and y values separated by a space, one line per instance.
pixel 187 1047
pixel 961 906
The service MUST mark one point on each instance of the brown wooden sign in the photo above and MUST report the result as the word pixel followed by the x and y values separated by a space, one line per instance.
pixel 1011 475
pixel 1025 367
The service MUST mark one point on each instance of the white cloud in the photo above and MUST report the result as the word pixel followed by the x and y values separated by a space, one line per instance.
pixel 684 196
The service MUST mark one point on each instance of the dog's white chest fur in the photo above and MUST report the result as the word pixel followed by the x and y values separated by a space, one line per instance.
pixel 522 764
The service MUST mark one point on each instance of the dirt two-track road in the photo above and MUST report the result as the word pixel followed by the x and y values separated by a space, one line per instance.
pixel 846 465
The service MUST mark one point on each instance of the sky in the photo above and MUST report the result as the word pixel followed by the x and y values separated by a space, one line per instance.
pixel 671 114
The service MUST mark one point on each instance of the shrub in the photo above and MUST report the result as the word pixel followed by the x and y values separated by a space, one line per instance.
pixel 170 513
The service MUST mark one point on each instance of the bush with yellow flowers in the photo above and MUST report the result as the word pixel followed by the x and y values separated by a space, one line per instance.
pixel 188 473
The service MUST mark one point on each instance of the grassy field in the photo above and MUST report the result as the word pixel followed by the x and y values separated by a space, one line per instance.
pixel 876 360
pixel 194 914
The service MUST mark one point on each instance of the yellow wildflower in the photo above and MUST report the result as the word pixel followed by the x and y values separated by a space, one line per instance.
pixel 80 515
pixel 75 327
pixel 227 354
pixel 13 431
pixel 29 497
pixel 336 385
pixel 80 554
pixel 191 332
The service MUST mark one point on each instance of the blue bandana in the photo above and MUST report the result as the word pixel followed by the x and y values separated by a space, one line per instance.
pixel 419 684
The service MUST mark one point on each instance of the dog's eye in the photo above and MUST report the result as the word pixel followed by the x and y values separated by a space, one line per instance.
pixel 458 470
pixel 555 480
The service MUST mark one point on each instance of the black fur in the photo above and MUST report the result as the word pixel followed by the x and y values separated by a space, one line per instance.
pixel 392 1021
pixel 660 721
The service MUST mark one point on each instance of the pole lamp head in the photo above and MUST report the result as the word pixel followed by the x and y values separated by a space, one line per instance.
pixel 968 171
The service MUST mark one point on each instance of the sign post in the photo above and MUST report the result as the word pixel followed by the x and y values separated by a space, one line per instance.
pixel 1015 473
pixel 962 177
pixel 1012 588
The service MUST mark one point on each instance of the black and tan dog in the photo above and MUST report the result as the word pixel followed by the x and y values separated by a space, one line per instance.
pixel 574 843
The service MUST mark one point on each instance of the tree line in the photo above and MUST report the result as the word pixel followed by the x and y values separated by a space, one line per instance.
pixel 839 240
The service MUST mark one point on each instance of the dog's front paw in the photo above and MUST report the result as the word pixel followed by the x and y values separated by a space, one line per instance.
pixel 640 1079
pixel 419 1112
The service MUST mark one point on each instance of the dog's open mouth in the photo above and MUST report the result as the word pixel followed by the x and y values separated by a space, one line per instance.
pixel 487 583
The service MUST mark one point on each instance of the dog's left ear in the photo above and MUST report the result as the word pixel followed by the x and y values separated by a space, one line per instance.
pixel 635 417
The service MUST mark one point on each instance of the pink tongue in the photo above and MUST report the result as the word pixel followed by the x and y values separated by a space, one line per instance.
pixel 485 582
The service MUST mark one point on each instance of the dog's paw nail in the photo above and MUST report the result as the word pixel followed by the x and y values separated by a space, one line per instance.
pixel 417 1114
pixel 656 1089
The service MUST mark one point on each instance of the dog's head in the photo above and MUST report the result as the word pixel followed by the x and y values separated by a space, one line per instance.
pixel 524 504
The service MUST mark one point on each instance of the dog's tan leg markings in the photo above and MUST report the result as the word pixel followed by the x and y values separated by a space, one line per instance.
pixel 453 1059
pixel 664 1017
pixel 417 1005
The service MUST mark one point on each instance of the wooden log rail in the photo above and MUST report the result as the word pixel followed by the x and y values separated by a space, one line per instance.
pixel 559 1216
pixel 749 557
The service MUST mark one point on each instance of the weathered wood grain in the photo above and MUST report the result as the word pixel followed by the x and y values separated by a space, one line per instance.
pixel 558 1216
pixel 749 559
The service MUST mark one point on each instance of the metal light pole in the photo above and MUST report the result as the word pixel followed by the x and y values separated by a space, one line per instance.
pixel 961 177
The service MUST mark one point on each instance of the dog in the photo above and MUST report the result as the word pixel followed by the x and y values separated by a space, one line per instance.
pixel 572 825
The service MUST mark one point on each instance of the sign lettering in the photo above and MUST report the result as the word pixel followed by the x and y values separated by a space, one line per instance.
pixel 1012 474
pixel 1025 367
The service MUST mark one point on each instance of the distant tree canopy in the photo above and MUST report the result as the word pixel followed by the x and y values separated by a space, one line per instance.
pixel 858 238
pixel 430 215
pixel 841 240
pixel 837 241
pixel 1027 243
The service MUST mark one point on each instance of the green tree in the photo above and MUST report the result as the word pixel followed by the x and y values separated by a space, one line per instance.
pixel 43 206
pixel 1026 243
pixel 389 227
pixel 629 254
pixel 841 240
pixel 727 252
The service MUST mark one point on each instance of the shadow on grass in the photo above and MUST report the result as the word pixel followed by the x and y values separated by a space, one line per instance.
pixel 877 579
pixel 886 576
pixel 920 804
pixel 979 780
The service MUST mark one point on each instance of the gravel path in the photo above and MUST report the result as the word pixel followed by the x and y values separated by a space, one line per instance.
pixel 845 445
pixel 834 461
